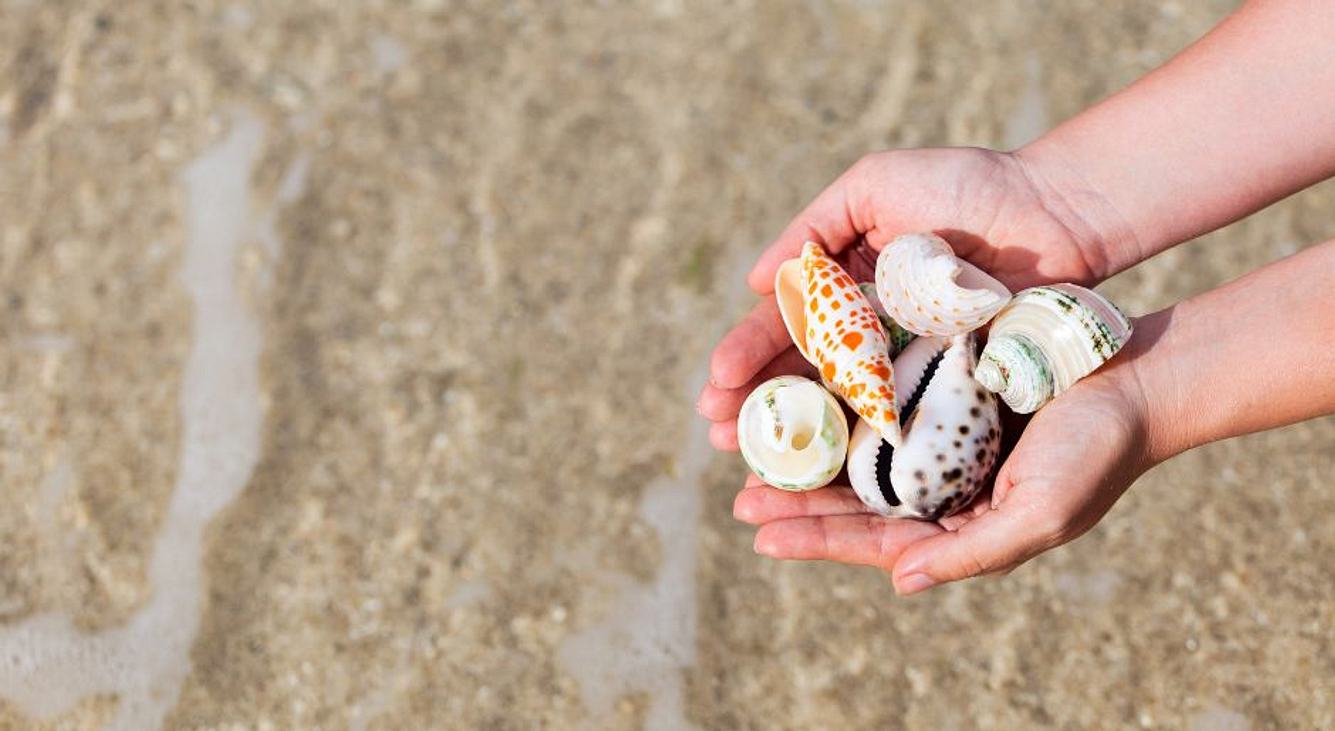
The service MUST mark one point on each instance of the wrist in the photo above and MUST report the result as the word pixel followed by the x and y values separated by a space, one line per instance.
pixel 1104 235
pixel 1150 386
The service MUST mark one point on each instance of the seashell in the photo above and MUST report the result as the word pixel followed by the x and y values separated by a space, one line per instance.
pixel 793 433
pixel 895 334
pixel 837 330
pixel 1045 340
pixel 951 436
pixel 930 291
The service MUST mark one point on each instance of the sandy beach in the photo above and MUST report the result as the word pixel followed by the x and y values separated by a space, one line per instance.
pixel 348 355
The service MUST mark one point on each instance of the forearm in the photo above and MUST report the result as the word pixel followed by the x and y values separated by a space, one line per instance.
pixel 1255 354
pixel 1237 121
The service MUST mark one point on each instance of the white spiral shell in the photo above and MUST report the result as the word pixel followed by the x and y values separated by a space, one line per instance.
pixel 930 291
pixel 1045 340
pixel 792 433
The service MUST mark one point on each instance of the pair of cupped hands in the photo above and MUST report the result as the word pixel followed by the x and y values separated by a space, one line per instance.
pixel 1066 465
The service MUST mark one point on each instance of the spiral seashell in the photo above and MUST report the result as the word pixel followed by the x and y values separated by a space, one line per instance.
pixel 930 291
pixel 792 433
pixel 951 436
pixel 1045 340
pixel 837 330
pixel 895 334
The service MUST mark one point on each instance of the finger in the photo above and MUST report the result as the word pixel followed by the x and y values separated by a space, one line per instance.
pixel 1013 427
pixel 764 504
pixel 721 404
pixel 981 504
pixel 758 339
pixel 1001 489
pixel 826 220
pixel 869 540
pixel 996 541
pixel 723 436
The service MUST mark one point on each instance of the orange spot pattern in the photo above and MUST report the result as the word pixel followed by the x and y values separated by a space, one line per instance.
pixel 846 340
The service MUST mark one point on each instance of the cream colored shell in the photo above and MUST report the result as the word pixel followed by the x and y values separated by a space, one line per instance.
pixel 792 433
pixel 1045 340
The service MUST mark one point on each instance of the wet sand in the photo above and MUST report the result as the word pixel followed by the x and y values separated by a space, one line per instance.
pixel 348 360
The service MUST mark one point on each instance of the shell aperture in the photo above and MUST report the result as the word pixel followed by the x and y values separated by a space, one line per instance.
pixel 792 433
pixel 950 442
pixel 930 291
pixel 837 330
pixel 1045 340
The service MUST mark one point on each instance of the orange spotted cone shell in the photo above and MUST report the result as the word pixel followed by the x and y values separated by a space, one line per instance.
pixel 837 330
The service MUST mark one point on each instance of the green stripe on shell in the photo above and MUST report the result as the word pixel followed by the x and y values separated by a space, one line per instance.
pixel 1045 340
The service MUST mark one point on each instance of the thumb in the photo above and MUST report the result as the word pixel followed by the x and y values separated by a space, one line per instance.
pixel 998 541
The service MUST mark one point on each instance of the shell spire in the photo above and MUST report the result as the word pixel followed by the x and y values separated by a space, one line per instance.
pixel 837 330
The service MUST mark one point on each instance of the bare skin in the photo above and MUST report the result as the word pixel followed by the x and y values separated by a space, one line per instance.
pixel 985 203
pixel 1100 193
pixel 1111 427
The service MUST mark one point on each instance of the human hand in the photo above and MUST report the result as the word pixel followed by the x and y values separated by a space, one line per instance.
pixel 995 209
pixel 1072 462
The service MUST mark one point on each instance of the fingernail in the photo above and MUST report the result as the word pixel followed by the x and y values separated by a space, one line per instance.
pixel 913 583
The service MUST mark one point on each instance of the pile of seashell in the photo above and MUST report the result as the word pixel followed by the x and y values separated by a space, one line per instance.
pixel 901 354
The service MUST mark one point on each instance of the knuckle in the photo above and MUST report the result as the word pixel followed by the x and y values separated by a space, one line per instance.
pixel 973 564
pixel 869 161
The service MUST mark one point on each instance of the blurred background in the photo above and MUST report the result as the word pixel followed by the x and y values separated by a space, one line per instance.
pixel 348 355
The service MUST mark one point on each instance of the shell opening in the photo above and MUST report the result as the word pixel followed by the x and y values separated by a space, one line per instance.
pixel 802 437
pixel 793 416
pixel 792 305
pixel 885 452
pixel 971 277
pixel 884 455
pixel 911 405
